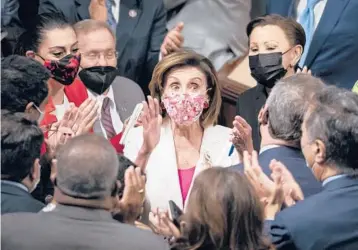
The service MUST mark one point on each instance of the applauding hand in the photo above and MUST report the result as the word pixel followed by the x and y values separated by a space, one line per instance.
pixel 151 121
pixel 131 204
pixel 242 136
pixel 161 224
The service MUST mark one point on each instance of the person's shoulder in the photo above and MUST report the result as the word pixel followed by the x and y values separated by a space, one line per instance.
pixel 148 240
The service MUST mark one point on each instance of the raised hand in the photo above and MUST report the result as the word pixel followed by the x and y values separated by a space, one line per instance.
pixel 262 184
pixel 292 189
pixel 151 121
pixel 88 113
pixel 131 204
pixel 173 40
pixel 242 136
pixel 98 10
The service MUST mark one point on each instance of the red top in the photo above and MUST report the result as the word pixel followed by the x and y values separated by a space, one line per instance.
pixel 185 179
pixel 77 94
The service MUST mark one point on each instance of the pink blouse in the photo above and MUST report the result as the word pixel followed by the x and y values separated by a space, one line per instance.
pixel 185 178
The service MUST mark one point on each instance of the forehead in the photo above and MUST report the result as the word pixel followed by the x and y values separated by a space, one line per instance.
pixel 262 34
pixel 63 37
pixel 186 73
pixel 97 39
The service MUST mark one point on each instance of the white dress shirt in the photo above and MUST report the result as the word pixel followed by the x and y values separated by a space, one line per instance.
pixel 115 9
pixel 318 10
pixel 61 108
pixel 116 120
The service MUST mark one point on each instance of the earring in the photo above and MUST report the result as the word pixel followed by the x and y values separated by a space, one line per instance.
pixel 206 104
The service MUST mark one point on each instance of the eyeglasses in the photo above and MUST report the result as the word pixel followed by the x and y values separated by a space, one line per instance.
pixel 108 55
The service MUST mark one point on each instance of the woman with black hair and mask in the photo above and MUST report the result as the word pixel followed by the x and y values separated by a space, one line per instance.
pixel 275 47
pixel 53 42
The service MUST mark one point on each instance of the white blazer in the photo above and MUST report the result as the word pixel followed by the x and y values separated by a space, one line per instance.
pixel 162 173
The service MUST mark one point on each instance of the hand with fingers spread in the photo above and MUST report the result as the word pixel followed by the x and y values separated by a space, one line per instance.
pixel 88 114
pixel 305 70
pixel 173 40
pixel 292 189
pixel 160 223
pixel 131 204
pixel 152 121
pixel 242 136
pixel 262 184
pixel 98 10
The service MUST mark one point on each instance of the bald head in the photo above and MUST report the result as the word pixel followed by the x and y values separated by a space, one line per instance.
pixel 87 167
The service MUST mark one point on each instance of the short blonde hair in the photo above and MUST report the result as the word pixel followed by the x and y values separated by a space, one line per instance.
pixel 90 25
pixel 186 58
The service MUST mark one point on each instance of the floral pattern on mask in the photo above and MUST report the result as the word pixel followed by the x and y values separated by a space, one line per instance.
pixel 64 70
pixel 184 109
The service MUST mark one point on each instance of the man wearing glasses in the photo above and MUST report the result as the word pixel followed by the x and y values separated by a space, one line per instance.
pixel 116 95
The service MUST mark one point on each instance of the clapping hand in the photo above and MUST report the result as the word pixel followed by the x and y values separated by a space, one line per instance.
pixel 161 224
pixel 88 114
pixel 173 40
pixel 131 204
pixel 293 192
pixel 151 121
pixel 98 10
pixel 242 136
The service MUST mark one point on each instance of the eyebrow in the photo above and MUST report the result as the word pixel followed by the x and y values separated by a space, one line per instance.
pixel 271 41
pixel 63 47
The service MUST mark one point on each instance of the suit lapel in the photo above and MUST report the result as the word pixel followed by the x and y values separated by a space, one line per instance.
pixel 82 9
pixel 329 20
pixel 129 15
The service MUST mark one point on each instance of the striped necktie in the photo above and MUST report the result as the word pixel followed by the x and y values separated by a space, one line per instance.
pixel 111 21
pixel 307 21
pixel 106 118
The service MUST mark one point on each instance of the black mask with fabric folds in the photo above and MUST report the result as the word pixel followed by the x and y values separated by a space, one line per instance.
pixel 266 69
pixel 98 78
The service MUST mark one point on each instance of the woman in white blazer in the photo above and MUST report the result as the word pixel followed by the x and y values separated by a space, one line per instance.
pixel 186 86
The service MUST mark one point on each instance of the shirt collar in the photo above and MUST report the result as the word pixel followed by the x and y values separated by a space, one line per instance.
pixel 332 178
pixel 16 184
pixel 267 147
pixel 110 95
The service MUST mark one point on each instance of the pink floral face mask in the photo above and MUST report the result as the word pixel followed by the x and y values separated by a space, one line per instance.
pixel 185 109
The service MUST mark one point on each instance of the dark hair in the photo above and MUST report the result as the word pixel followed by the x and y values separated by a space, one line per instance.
pixel 21 141
pixel 333 119
pixel 124 164
pixel 87 167
pixel 32 38
pixel 287 103
pixel 230 216
pixel 23 80
pixel 292 29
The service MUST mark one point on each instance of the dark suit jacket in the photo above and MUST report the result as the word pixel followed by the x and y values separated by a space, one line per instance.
pixel 138 38
pixel 127 94
pixel 333 53
pixel 14 199
pixel 69 227
pixel 248 107
pixel 295 162
pixel 325 221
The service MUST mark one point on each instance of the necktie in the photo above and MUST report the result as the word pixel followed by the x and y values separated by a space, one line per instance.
pixel 111 21
pixel 106 118
pixel 307 21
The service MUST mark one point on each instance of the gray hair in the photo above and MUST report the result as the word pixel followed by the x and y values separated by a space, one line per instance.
pixel 87 167
pixel 90 25
pixel 287 104
pixel 333 119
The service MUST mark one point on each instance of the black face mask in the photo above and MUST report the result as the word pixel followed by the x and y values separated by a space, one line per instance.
pixel 266 69
pixel 99 78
